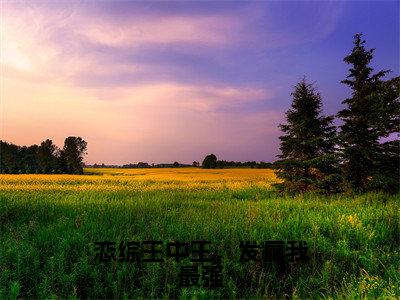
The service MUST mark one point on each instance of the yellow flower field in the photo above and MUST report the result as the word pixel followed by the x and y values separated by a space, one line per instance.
pixel 142 179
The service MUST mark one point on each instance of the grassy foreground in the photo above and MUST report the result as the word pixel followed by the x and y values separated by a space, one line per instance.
pixel 49 223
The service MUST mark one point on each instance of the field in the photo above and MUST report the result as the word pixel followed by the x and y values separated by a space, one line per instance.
pixel 49 224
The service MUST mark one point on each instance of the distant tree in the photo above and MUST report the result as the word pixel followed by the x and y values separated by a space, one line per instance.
pixel 46 157
pixel 175 164
pixel 9 158
pixel 195 164
pixel 264 165
pixel 73 152
pixel 221 164
pixel 209 162
pixel 28 159
pixel 142 165
pixel 370 114
pixel 308 144
pixel 61 162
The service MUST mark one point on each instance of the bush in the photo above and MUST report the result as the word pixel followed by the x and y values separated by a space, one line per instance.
pixel 385 183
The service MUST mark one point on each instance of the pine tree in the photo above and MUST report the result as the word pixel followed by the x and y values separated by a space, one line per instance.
pixel 366 117
pixel 386 171
pixel 308 145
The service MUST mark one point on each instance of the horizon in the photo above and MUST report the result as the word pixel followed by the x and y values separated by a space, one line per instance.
pixel 160 82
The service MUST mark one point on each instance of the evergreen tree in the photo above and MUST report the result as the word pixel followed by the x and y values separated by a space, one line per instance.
pixel 386 107
pixel 386 170
pixel 370 114
pixel 308 144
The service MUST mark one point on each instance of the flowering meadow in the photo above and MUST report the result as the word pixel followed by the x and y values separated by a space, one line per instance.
pixel 49 224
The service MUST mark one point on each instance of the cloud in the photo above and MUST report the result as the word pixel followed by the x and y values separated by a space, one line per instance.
pixel 144 86
pixel 193 97
pixel 68 40
pixel 210 30
pixel 176 121
pixel 78 45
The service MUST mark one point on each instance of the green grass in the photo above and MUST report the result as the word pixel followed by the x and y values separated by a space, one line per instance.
pixel 47 240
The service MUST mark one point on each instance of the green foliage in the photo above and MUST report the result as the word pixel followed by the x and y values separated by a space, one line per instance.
pixel 372 113
pixel 386 173
pixel 46 158
pixel 307 147
pixel 74 149
pixel 248 164
pixel 314 159
pixel 209 162
pixel 9 158
pixel 383 182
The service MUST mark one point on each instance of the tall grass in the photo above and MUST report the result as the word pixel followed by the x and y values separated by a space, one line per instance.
pixel 49 224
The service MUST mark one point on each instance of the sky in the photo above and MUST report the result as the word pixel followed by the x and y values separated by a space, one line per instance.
pixel 174 81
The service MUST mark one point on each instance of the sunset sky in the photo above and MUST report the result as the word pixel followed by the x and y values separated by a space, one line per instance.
pixel 174 81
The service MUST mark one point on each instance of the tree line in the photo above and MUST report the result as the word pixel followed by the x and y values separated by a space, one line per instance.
pixel 211 162
pixel 206 164
pixel 45 158
pixel 140 165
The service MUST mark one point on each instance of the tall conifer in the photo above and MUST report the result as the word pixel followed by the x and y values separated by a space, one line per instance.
pixel 308 143
pixel 368 116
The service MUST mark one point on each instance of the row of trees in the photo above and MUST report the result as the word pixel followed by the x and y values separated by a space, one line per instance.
pixel 45 158
pixel 140 165
pixel 211 162
pixel 363 155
